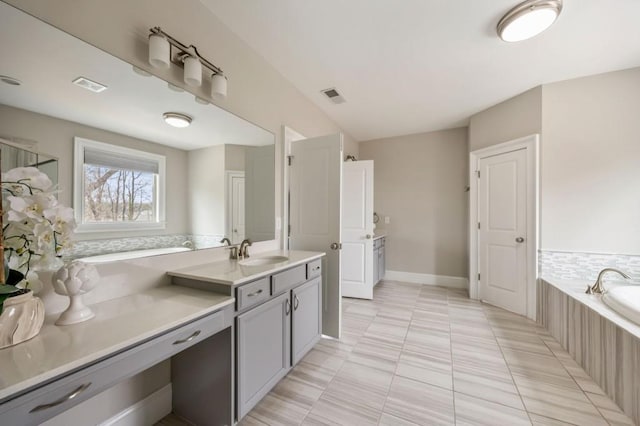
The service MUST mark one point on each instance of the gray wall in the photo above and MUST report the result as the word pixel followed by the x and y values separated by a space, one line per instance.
pixel 511 119
pixel 420 184
pixel 591 164
pixel 55 137
pixel 589 191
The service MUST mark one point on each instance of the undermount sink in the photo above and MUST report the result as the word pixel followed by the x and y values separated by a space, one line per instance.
pixel 262 261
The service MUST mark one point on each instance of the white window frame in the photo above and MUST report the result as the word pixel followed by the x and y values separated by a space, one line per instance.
pixel 80 144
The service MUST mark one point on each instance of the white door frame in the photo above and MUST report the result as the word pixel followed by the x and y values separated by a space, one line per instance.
pixel 531 144
pixel 229 175
pixel 288 135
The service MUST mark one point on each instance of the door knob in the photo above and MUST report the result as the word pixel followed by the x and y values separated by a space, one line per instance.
pixel 336 246
pixel 368 236
pixel 519 240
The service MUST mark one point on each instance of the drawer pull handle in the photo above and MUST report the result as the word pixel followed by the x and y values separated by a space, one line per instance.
pixel 255 293
pixel 188 339
pixel 62 400
pixel 296 302
pixel 287 307
pixel 316 268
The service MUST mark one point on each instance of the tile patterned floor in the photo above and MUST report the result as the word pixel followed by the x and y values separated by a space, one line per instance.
pixel 421 355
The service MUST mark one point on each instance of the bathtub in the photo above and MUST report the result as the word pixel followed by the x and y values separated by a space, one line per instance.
pixel 625 300
pixel 126 255
pixel 599 333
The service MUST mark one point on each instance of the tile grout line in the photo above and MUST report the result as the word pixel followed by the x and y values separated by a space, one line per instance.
pixel 453 382
pixel 577 384
pixel 507 364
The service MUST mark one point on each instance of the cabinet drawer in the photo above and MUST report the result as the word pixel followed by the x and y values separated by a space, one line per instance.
pixel 285 280
pixel 252 293
pixel 47 401
pixel 314 269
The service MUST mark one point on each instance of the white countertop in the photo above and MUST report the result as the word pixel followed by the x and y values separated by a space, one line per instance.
pixel 576 289
pixel 118 324
pixel 230 272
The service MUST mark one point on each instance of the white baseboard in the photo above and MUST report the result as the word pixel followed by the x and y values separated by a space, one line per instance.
pixel 146 411
pixel 427 279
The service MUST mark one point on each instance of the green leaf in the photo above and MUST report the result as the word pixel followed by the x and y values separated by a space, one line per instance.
pixel 8 289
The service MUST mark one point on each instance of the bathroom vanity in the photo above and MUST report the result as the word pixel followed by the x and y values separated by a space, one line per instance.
pixel 278 314
pixel 379 258
pixel 64 366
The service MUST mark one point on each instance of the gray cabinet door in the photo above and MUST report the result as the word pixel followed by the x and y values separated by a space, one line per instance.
pixel 264 352
pixel 307 318
pixel 376 266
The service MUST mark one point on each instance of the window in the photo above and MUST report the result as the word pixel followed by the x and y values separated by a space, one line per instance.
pixel 117 188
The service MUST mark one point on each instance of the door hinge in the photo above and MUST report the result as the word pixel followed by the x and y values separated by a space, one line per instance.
pixel 289 230
pixel 478 225
pixel 478 173
pixel 478 277
pixel 290 158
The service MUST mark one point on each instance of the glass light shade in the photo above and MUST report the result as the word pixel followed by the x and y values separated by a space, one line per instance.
pixel 159 51
pixel 528 19
pixel 192 71
pixel 176 119
pixel 218 86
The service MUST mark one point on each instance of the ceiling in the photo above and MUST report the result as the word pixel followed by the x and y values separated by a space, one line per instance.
pixel 421 65
pixel 46 60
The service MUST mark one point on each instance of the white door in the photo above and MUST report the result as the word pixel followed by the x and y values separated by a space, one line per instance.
pixel 502 204
pixel 357 230
pixel 236 206
pixel 315 188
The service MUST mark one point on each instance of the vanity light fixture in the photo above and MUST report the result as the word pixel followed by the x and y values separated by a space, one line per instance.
pixel 176 119
pixel 528 19
pixel 164 50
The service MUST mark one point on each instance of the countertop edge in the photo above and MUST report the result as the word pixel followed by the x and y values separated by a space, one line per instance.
pixel 182 273
pixel 15 390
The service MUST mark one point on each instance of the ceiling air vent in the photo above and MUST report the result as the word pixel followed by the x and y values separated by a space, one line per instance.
pixel 91 85
pixel 333 95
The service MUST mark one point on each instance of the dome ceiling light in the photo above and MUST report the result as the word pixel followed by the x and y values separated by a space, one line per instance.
pixel 176 119
pixel 528 19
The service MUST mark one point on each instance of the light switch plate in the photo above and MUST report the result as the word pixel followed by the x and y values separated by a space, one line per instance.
pixel 387 220
pixel 278 223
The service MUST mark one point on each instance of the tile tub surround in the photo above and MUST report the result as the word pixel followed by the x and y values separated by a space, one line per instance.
pixel 601 341
pixel 425 355
pixel 585 266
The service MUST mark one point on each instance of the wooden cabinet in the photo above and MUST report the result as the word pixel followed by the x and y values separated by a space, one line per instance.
pixel 264 355
pixel 306 323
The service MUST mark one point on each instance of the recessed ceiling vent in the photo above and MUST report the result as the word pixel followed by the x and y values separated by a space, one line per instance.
pixel 91 85
pixel 333 95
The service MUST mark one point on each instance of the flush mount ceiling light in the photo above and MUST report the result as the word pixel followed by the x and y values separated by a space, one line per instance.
pixel 528 19
pixel 165 50
pixel 176 119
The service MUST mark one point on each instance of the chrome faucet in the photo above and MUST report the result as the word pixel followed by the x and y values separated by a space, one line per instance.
pixel 225 240
pixel 597 288
pixel 233 250
pixel 243 251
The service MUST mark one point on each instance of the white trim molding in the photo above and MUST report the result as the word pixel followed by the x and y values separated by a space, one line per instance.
pixel 427 279
pixel 288 135
pixel 146 411
pixel 531 144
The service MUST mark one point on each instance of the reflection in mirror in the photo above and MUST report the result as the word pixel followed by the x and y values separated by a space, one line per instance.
pixel 220 170
pixel 15 155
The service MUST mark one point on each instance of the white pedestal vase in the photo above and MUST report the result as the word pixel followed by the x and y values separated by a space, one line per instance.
pixel 22 318
pixel 74 280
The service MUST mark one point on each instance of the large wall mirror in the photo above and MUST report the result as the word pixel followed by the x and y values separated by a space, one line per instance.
pixel 218 172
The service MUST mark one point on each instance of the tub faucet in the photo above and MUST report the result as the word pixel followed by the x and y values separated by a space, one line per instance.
pixel 597 288
pixel 243 251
